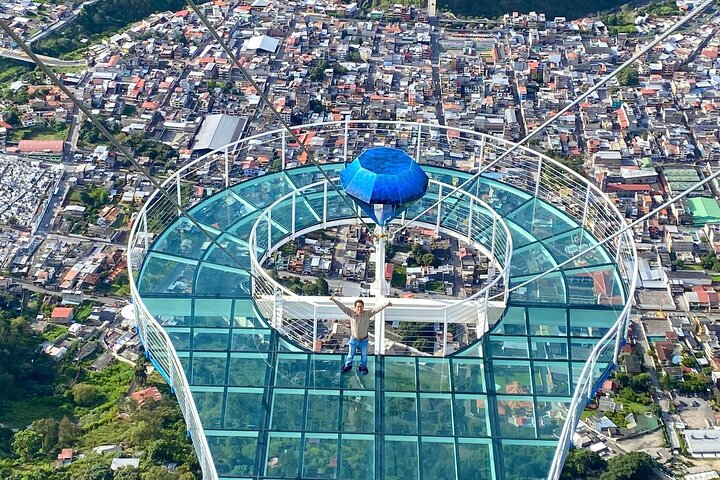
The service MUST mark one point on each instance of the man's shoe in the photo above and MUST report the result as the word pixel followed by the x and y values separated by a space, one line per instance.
pixel 346 368
pixel 363 370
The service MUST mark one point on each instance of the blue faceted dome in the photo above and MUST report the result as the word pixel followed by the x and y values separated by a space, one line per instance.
pixel 384 182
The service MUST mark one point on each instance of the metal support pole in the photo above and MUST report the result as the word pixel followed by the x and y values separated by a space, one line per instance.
pixel 492 241
pixel 325 188
pixel 380 341
pixel 283 152
pixel 227 168
pixel 593 362
pixel 380 262
pixel 145 232
pixel 315 330
pixel 445 334
pixel 439 209
pixel 269 232
pixel 618 340
pixel 470 217
pixel 585 207
pixel 483 141
pixel 417 146
pixel 178 191
pixel 292 215
pixel 537 180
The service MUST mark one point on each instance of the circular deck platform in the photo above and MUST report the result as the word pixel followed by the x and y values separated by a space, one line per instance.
pixel 269 409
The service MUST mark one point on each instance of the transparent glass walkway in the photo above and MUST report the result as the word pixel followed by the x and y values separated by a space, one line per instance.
pixel 271 411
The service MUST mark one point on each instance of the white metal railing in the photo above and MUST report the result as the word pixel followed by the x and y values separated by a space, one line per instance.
pixel 160 347
pixel 483 229
pixel 443 146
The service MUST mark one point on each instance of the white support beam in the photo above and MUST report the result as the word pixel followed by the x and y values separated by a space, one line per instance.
pixel 227 167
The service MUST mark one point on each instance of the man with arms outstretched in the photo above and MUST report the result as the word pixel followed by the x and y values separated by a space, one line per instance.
pixel 359 323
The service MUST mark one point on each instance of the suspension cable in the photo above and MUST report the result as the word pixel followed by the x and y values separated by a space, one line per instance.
pixel 269 104
pixel 695 12
pixel 120 148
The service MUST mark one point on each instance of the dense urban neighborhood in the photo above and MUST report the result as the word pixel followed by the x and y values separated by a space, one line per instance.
pixel 170 93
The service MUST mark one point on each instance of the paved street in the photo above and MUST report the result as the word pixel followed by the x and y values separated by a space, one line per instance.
pixel 50 61
pixel 96 298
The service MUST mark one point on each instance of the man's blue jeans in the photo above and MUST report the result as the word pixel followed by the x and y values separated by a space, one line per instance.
pixel 354 344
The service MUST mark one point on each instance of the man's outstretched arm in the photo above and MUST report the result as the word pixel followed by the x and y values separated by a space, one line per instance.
pixel 346 310
pixel 380 308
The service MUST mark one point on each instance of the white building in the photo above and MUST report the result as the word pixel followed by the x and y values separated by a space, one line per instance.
pixel 703 443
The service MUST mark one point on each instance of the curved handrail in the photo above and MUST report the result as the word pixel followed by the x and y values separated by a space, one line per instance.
pixel 176 370
pixel 257 267
pixel 625 256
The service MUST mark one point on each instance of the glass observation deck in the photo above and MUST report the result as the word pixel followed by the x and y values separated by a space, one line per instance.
pixel 259 406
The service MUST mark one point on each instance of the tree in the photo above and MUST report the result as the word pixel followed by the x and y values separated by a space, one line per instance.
pixel 688 361
pixel 316 106
pixel 126 473
pixel 694 383
pixel 157 473
pixel 141 371
pixel 317 74
pixel 322 286
pixel 310 289
pixel 48 428
pixel 630 466
pixel 92 467
pixel 427 259
pixel 84 394
pixel 628 77
pixel 416 251
pixel 12 116
pixel 27 444
pixel 67 432
pixel 6 436
pixel 583 463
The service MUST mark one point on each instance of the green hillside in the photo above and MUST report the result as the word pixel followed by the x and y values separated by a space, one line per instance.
pixel 552 8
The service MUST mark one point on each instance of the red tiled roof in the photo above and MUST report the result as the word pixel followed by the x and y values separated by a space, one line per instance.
pixel 61 312
pixel 65 454
pixel 628 187
pixel 38 146
pixel 142 396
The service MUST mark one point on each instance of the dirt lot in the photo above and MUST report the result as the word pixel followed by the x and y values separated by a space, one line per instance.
pixel 649 443
pixel 695 415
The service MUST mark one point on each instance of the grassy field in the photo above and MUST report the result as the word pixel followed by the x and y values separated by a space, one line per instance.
pixel 38 132
pixel 54 332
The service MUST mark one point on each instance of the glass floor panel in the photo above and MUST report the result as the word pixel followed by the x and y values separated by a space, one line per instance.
pixel 273 411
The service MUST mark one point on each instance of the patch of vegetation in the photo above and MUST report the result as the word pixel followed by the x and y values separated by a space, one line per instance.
pixel 399 278
pixel 662 9
pixel 435 287
pixel 84 311
pixel 120 287
pixel 100 20
pixel 299 287
pixel 54 131
pixel 496 8
pixel 54 332
pixel 12 70
pixel 628 77
pixel 63 405
pixel 583 464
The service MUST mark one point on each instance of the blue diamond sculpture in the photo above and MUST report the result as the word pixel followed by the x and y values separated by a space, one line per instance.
pixel 384 182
